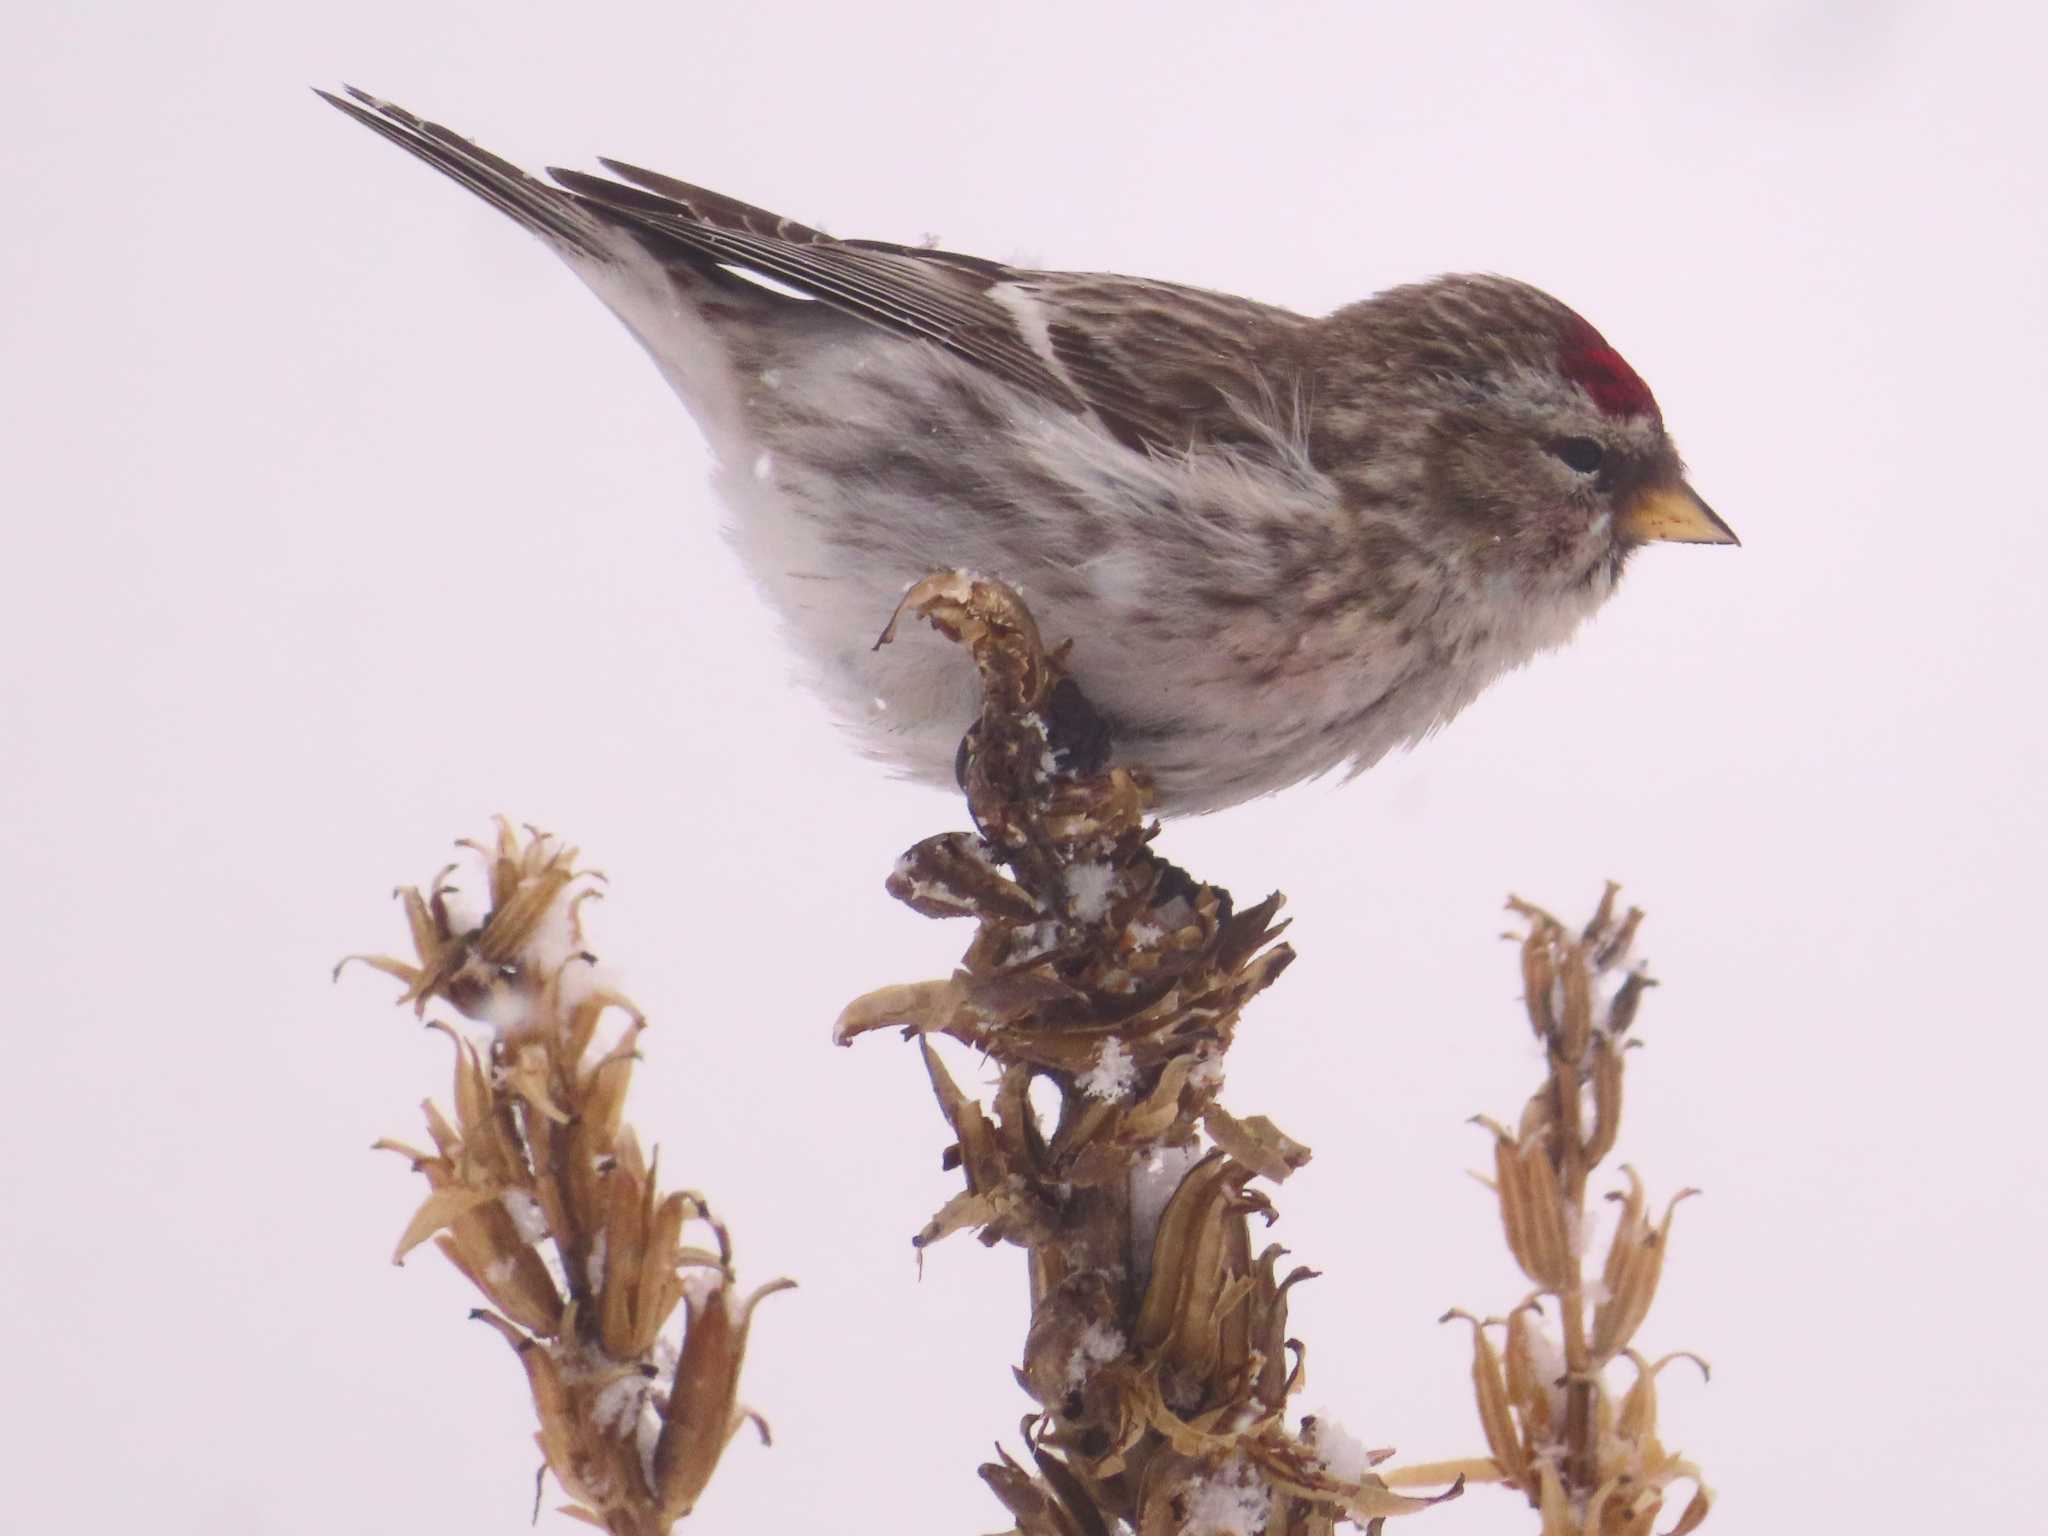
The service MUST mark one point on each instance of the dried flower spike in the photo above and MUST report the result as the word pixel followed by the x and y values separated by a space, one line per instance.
pixel 1158 1350
pixel 1589 1465
pixel 539 1194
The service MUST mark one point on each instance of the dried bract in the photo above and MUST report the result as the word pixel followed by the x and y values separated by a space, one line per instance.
pixel 540 1195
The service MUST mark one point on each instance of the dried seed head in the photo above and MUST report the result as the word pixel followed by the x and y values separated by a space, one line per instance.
pixel 1159 1348
pixel 541 1197
pixel 1589 1466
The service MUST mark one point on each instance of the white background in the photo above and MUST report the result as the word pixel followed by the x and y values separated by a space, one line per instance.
pixel 337 517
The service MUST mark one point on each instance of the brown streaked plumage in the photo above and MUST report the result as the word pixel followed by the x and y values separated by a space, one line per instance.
pixel 1280 544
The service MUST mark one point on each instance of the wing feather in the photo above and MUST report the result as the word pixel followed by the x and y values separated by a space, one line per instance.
pixel 1162 367
pixel 894 286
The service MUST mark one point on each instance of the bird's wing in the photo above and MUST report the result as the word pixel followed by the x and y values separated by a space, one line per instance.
pixel 1172 367
pixel 939 296
pixel 1160 366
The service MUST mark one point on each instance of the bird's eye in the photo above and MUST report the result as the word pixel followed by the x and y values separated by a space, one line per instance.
pixel 1580 453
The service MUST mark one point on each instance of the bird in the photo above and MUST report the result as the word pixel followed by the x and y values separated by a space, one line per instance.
pixel 1280 545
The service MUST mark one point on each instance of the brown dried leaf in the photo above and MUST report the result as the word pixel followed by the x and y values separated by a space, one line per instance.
pixel 1606 1079
pixel 519 1285
pixel 1641 1251
pixel 1256 1142
pixel 1037 1509
pixel 925 1006
pixel 1491 1391
pixel 438 1210
pixel 703 1409
pixel 955 875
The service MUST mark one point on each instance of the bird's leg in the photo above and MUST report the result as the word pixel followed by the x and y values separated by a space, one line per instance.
pixel 1076 731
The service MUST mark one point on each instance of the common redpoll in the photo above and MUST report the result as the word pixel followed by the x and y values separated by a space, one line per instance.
pixel 1279 544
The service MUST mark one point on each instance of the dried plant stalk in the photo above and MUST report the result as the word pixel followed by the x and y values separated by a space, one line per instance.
pixel 1157 1349
pixel 539 1193
pixel 1590 1466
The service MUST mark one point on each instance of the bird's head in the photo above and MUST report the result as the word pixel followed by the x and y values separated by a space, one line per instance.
pixel 1533 452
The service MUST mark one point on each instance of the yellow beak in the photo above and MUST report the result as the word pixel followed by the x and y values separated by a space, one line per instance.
pixel 1675 514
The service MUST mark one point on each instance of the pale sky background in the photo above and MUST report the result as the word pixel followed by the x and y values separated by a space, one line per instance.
pixel 338 517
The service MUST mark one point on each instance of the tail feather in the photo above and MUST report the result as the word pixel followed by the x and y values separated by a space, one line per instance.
pixel 697 238
pixel 714 208
pixel 553 215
